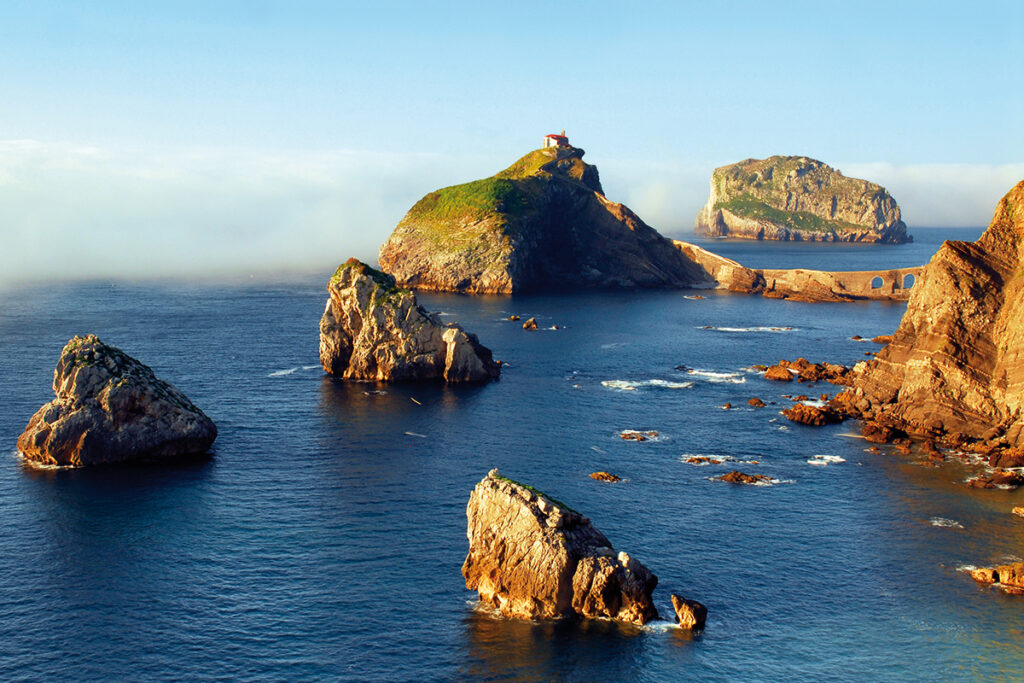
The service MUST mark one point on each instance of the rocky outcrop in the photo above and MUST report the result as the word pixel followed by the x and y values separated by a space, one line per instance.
pixel 111 408
pixel 690 614
pixel 1009 578
pixel 605 476
pixel 737 477
pixel 373 330
pixel 544 221
pixel 954 370
pixel 815 416
pixel 798 198
pixel 532 557
pixel 805 371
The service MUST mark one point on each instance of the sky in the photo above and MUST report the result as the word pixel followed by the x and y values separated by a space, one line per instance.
pixel 194 138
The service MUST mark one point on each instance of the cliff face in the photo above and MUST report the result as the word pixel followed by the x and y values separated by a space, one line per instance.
pixel 955 366
pixel 543 221
pixel 797 198
pixel 531 557
pixel 373 330
pixel 111 408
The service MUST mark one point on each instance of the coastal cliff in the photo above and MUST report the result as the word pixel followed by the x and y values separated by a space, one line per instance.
pixel 542 221
pixel 954 369
pixel 374 330
pixel 111 408
pixel 532 557
pixel 798 198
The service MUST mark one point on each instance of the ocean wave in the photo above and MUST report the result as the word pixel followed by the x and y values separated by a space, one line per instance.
pixel 282 373
pixel 641 435
pixel 764 482
pixel 614 345
pixel 823 460
pixel 310 367
pixel 705 459
pixel 625 385
pixel 719 377
pixel 944 522
pixel 759 328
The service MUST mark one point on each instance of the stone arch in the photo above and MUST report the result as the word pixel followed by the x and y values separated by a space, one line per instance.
pixel 877 282
pixel 909 280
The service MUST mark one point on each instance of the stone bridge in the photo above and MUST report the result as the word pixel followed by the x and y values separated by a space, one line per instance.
pixel 802 284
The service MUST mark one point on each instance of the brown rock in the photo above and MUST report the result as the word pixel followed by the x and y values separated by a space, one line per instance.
pixel 955 365
pixel 604 476
pixel 727 406
pixel 1007 457
pixel 111 408
pixel 756 402
pixel 737 477
pixel 779 373
pixel 689 613
pixel 373 330
pixel 1008 577
pixel 801 397
pixel 532 557
pixel 530 324
pixel 883 339
pixel 876 433
pixel 812 415
pixel 514 318
pixel 1019 511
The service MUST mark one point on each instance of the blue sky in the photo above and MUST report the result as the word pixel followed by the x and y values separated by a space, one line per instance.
pixel 332 118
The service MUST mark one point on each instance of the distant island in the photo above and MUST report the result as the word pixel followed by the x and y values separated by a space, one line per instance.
pixel 801 199
pixel 543 221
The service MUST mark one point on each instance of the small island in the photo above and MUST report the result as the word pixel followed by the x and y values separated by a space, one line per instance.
pixel 798 198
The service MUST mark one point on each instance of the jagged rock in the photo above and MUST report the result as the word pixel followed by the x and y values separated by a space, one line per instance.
pixel 111 408
pixel 373 330
pixel 812 415
pixel 778 373
pixel 530 324
pixel 882 339
pixel 797 198
pixel 954 369
pixel 604 476
pixel 755 402
pixel 737 477
pixel 532 557
pixel 544 221
pixel 727 406
pixel 1008 577
pixel 689 613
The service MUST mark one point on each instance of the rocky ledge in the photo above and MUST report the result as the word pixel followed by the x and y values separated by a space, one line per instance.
pixel 543 221
pixel 374 330
pixel 797 198
pixel 532 557
pixel 954 370
pixel 111 408
pixel 1009 578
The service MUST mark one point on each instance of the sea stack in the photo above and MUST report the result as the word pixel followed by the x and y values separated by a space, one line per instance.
pixel 954 369
pixel 798 198
pixel 373 330
pixel 111 408
pixel 532 557
pixel 542 222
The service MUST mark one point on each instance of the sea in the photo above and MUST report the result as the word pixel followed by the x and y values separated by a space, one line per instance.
pixel 323 538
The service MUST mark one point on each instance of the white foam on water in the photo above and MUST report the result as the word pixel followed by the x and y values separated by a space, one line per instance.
pixel 614 345
pixel 625 385
pixel 723 377
pixel 310 367
pixel 851 435
pixel 760 328
pixel 443 313
pixel 944 522
pixel 36 465
pixel 783 428
pixel 422 436
pixel 646 433
pixel 375 392
pixel 597 450
pixel 768 482
pixel 824 460
pixel 714 459
pixel 282 373
pixel 816 402
pixel 966 568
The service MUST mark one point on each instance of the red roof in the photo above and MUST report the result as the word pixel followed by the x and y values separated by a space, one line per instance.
pixel 556 136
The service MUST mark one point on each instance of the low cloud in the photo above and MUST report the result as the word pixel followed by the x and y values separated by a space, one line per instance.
pixel 87 212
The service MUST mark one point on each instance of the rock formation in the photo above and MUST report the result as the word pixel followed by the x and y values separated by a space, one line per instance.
pixel 797 198
pixel 805 371
pixel 812 415
pixel 532 557
pixel 737 477
pixel 111 408
pixel 543 221
pixel 1009 578
pixel 954 370
pixel 689 613
pixel 373 330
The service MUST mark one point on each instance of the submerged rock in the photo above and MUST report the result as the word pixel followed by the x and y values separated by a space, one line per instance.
pixel 111 408
pixel 689 613
pixel 605 476
pixel 373 330
pixel 954 370
pixel 532 557
pixel 542 222
pixel 755 402
pixel 798 198
pixel 737 477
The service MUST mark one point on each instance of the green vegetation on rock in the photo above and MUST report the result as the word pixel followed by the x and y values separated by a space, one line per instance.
pixel 748 206
pixel 537 492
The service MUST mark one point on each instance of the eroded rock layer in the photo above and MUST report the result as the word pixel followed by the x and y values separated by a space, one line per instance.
pixel 374 330
pixel 112 408
pixel 544 221
pixel 798 198
pixel 532 557
pixel 955 366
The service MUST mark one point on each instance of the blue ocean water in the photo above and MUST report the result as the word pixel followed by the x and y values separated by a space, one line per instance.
pixel 324 538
